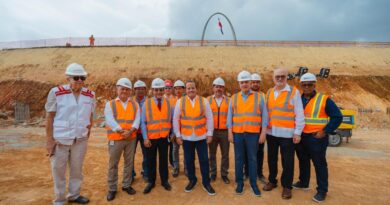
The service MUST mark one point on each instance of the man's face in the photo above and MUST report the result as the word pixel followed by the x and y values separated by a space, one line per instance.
pixel 158 92
pixel 191 89
pixel 244 85
pixel 308 87
pixel 179 91
pixel 255 85
pixel 218 90
pixel 168 90
pixel 76 82
pixel 123 92
pixel 280 77
pixel 140 92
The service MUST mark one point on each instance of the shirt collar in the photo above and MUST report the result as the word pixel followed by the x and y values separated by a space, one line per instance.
pixel 250 92
pixel 286 88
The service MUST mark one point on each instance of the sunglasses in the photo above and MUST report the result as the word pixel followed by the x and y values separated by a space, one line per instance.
pixel 158 89
pixel 280 77
pixel 77 78
pixel 168 88
pixel 307 84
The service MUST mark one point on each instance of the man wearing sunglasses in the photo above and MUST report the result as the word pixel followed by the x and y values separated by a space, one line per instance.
pixel 322 117
pixel 286 122
pixel 68 126
pixel 122 116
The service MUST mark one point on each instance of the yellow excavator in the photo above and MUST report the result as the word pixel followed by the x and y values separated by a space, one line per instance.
pixel 345 128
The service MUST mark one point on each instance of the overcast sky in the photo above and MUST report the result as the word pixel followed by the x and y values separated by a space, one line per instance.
pixel 324 20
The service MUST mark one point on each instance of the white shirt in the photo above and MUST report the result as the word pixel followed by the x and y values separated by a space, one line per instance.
pixel 209 121
pixel 110 120
pixel 219 100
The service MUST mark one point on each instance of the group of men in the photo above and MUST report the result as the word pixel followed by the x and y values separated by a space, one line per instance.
pixel 161 122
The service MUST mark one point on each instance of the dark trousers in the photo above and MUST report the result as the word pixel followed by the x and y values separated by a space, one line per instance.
pixel 260 160
pixel 314 149
pixel 140 139
pixel 287 152
pixel 219 138
pixel 162 146
pixel 189 158
pixel 246 143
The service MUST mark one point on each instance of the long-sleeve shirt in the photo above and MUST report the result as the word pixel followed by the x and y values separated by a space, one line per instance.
pixel 262 107
pixel 110 120
pixel 143 119
pixel 299 115
pixel 331 109
pixel 209 121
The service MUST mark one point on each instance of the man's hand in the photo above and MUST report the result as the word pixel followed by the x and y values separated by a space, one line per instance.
pixel 50 146
pixel 172 138
pixel 262 138
pixel 320 134
pixel 179 140
pixel 126 134
pixel 296 139
pixel 209 139
pixel 230 136
pixel 147 143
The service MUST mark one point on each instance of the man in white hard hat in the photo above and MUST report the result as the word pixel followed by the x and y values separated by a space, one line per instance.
pixel 245 123
pixel 193 125
pixel 156 126
pixel 322 117
pixel 122 121
pixel 140 97
pixel 286 122
pixel 68 125
pixel 219 104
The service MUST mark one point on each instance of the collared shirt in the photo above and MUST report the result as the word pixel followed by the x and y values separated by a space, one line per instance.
pixel 209 121
pixel 110 120
pixel 262 107
pixel 143 119
pixel 298 110
pixel 219 100
pixel 140 102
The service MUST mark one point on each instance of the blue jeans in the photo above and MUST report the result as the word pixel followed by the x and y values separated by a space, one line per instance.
pixel 189 158
pixel 144 154
pixel 314 149
pixel 246 143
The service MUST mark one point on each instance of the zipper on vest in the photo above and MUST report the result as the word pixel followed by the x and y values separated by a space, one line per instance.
pixel 218 114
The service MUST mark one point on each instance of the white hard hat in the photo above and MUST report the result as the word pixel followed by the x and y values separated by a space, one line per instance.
pixel 158 83
pixel 308 77
pixel 139 84
pixel 219 81
pixel 75 69
pixel 179 83
pixel 244 76
pixel 255 77
pixel 125 82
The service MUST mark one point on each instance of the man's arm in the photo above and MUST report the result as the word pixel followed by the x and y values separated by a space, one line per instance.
pixel 50 142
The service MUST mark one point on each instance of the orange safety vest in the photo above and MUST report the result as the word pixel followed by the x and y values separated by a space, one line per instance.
pixel 139 131
pixel 219 113
pixel 315 116
pixel 280 111
pixel 193 119
pixel 247 114
pixel 172 101
pixel 158 123
pixel 124 118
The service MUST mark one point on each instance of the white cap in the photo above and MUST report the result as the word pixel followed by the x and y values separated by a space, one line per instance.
pixel 158 83
pixel 75 69
pixel 244 76
pixel 219 81
pixel 308 77
pixel 139 84
pixel 125 82
pixel 255 77
pixel 179 83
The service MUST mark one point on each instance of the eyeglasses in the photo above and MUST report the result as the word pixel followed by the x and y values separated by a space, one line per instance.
pixel 168 88
pixel 307 84
pixel 280 77
pixel 77 78
pixel 158 89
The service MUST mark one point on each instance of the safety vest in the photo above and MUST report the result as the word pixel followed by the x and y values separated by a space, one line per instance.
pixel 172 101
pixel 219 112
pixel 158 123
pixel 315 116
pixel 125 118
pixel 247 114
pixel 193 118
pixel 72 117
pixel 281 111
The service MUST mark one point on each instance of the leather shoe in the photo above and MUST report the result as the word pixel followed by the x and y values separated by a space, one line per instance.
pixel 111 195
pixel 167 186
pixel 175 173
pixel 190 186
pixel 148 188
pixel 286 194
pixel 269 186
pixel 225 179
pixel 80 200
pixel 129 190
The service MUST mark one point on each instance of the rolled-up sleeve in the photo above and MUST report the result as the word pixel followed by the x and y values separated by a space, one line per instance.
pixel 299 114
pixel 209 118
pixel 51 103
pixel 109 117
pixel 176 119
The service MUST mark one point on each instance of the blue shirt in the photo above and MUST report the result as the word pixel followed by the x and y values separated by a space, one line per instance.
pixel 331 109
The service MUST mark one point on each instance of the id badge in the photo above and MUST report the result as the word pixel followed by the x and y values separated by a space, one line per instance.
pixel 111 143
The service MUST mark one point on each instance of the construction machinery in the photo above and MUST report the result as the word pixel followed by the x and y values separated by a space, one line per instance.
pixel 345 128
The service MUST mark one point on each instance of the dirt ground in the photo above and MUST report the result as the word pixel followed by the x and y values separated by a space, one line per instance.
pixel 359 173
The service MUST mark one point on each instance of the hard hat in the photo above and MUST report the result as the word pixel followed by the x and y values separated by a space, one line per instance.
pixel 168 83
pixel 255 77
pixel 158 83
pixel 179 83
pixel 244 76
pixel 139 84
pixel 308 77
pixel 75 69
pixel 125 82
pixel 219 81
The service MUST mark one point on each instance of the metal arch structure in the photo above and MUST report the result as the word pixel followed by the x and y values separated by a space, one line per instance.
pixel 231 27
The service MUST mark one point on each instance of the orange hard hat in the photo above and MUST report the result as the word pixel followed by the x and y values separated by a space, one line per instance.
pixel 168 83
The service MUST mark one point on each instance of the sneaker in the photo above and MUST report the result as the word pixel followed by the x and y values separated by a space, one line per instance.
pixel 300 185
pixel 190 186
pixel 256 191
pixel 209 189
pixel 319 197
pixel 240 189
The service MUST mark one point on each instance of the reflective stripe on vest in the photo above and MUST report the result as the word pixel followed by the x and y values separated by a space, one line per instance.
pixel 120 118
pixel 192 119
pixel 315 116
pixel 280 112
pixel 247 115
pixel 158 123
pixel 219 112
